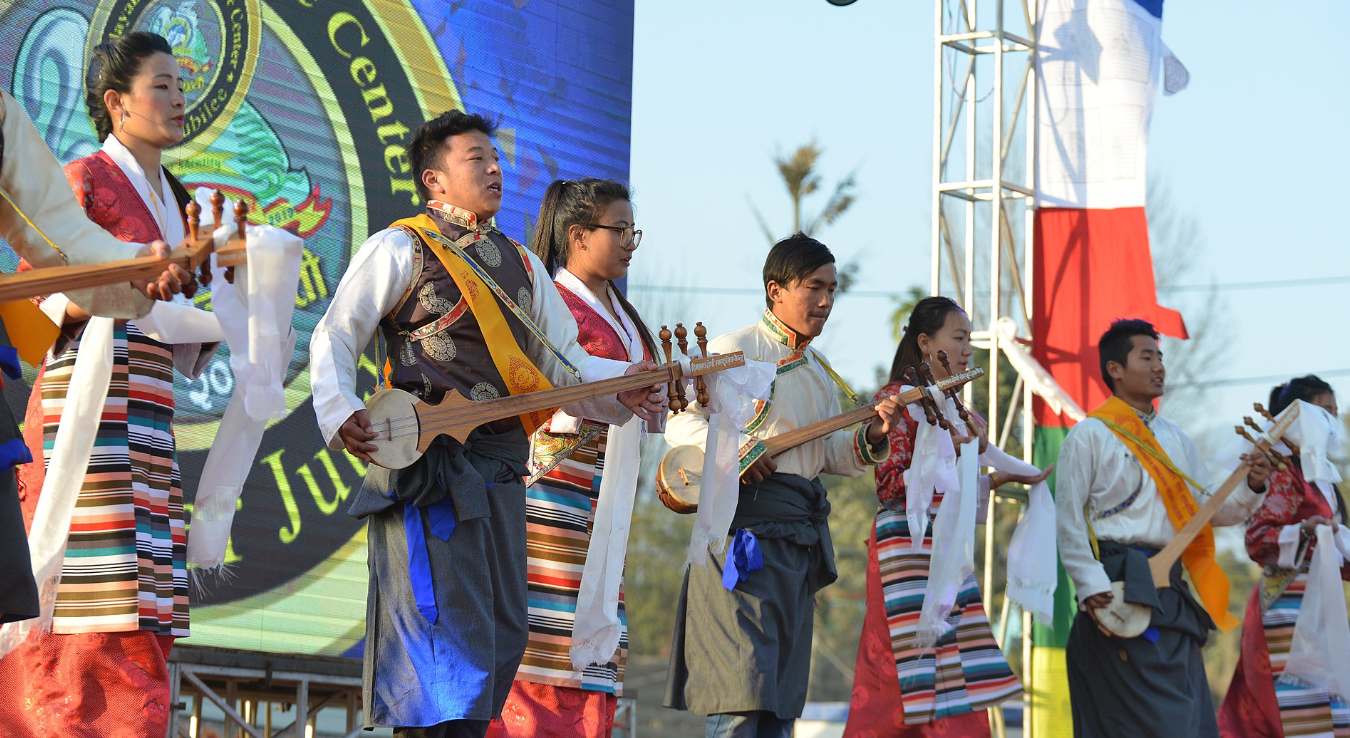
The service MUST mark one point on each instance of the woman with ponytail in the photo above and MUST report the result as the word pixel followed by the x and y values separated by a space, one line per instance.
pixel 902 689
pixel 1281 536
pixel 572 674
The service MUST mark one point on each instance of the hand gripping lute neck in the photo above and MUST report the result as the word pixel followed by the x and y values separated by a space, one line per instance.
pixel 679 478
pixel 192 254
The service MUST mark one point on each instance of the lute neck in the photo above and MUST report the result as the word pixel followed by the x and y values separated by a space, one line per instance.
pixel 487 411
pixel 794 438
pixel 22 285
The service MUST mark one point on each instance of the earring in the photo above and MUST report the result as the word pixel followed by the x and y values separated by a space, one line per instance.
pixel 123 122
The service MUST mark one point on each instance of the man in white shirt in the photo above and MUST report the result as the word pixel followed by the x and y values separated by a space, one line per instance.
pixel 742 648
pixel 461 308
pixel 1131 478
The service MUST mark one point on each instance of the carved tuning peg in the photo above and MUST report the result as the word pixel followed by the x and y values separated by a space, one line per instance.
pixel 953 393
pixel 204 273
pixel 675 404
pixel 1254 426
pixel 681 336
pixel 943 359
pixel 1275 458
pixel 700 386
pixel 1293 448
pixel 217 209
pixel 912 379
pixel 701 338
pixel 926 372
pixel 240 218
pixel 1280 460
pixel 194 220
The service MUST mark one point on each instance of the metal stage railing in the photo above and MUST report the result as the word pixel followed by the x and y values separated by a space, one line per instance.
pixel 266 695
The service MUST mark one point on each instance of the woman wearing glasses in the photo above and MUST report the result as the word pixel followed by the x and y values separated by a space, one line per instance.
pixel 569 681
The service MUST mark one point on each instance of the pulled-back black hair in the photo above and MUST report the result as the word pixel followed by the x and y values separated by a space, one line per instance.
pixel 1116 342
pixel 792 260
pixel 581 202
pixel 424 149
pixel 1298 388
pixel 112 66
pixel 927 318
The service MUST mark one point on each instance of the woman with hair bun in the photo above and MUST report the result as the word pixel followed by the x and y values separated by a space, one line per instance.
pixel 1280 538
pixel 569 682
pixel 97 664
pixel 903 689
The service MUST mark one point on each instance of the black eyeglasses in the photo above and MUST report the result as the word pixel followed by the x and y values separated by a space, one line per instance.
pixel 627 233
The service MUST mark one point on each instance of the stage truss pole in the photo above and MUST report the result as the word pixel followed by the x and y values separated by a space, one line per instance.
pixel 984 154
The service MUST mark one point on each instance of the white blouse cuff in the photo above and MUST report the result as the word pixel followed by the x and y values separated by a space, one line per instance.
pixel 1288 540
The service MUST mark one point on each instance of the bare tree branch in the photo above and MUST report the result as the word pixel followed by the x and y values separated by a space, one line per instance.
pixel 1174 236
pixel 759 218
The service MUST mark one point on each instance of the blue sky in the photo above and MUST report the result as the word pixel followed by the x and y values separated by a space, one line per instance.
pixel 1252 151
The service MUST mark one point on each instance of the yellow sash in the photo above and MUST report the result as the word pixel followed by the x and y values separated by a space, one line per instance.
pixel 30 331
pixel 519 373
pixel 1209 580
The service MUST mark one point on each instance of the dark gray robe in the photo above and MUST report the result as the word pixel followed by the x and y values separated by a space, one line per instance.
pixel 749 649
pixel 1135 688
pixel 420 673
pixel 18 591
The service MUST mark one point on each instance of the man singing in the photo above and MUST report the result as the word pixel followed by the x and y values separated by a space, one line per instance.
pixel 463 308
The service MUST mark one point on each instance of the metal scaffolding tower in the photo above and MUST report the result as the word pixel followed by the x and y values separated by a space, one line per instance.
pixel 984 157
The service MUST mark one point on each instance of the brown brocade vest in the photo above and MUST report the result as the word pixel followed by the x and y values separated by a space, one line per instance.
pixel 433 340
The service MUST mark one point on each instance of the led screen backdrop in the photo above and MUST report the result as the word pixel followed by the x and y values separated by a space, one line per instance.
pixel 303 107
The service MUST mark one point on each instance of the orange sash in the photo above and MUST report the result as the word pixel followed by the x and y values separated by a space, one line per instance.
pixel 519 373
pixel 1209 580
pixel 31 332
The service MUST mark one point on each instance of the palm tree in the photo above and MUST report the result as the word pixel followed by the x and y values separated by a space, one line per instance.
pixel 802 180
pixel 904 305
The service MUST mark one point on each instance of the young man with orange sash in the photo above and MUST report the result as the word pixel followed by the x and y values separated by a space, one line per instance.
pixel 1128 480
pixel 462 308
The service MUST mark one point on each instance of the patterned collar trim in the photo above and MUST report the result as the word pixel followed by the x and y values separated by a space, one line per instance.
pixel 783 334
pixel 460 217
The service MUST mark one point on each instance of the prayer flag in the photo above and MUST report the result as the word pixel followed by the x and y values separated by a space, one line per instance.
pixel 1098 63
